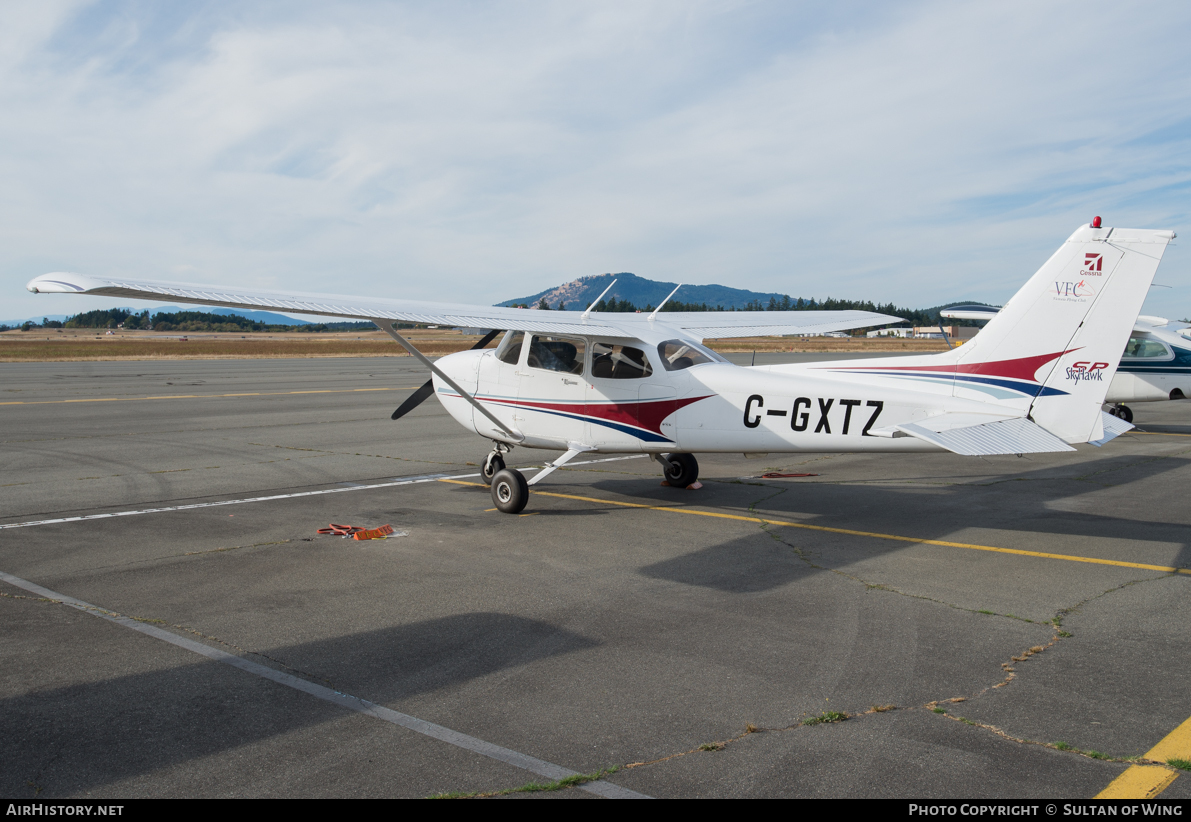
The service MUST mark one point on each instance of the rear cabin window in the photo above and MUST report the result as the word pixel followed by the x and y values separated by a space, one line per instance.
pixel 1145 348
pixel 618 362
pixel 564 355
pixel 510 347
pixel 679 354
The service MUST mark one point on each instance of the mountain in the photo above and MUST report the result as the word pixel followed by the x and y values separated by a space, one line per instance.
pixel 37 319
pixel 641 292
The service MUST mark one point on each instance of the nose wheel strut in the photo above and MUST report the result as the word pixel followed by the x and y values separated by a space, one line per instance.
pixel 494 463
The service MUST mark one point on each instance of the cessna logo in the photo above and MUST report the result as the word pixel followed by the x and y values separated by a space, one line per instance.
pixel 1087 371
pixel 803 411
pixel 1093 263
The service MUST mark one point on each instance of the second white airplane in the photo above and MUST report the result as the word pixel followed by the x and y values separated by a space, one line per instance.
pixel 1033 380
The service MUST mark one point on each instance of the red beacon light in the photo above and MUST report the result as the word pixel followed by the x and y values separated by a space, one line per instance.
pixel 1095 222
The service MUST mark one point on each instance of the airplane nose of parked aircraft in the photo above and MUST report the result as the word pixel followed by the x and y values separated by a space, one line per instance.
pixel 463 368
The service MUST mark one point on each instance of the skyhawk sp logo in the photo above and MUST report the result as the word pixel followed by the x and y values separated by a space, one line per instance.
pixel 1087 371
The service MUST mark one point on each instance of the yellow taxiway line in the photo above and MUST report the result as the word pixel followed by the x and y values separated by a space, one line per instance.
pixel 851 532
pixel 206 396
pixel 1137 782
pixel 1147 781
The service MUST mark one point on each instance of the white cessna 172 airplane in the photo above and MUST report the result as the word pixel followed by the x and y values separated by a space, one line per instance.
pixel 1033 381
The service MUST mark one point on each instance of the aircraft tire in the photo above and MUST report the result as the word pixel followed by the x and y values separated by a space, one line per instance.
pixel 510 491
pixel 683 470
pixel 1124 412
pixel 491 467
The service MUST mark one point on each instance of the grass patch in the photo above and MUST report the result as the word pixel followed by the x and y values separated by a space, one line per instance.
pixel 938 710
pixel 712 746
pixel 990 613
pixel 536 787
pixel 825 717
pixel 1181 764
pixel 1065 634
pixel 880 709
pixel 1062 746
pixel 1097 755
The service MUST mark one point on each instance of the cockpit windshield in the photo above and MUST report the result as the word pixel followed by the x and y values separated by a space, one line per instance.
pixel 1145 348
pixel 679 354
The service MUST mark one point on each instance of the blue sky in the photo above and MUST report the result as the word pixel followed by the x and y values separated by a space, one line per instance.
pixel 917 153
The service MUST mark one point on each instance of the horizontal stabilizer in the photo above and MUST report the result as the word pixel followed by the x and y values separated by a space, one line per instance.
pixel 1113 428
pixel 974 435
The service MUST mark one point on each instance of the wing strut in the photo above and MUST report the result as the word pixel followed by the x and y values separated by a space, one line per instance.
pixel 388 327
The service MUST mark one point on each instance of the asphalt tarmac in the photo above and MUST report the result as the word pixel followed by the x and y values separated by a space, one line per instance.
pixel 200 644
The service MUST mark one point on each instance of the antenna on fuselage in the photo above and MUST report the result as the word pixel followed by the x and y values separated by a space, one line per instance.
pixel 659 308
pixel 597 299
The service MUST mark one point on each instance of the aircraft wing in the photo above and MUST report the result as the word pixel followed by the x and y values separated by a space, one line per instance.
pixel 700 324
pixel 726 324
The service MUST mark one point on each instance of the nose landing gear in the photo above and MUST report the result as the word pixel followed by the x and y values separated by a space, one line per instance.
pixel 510 490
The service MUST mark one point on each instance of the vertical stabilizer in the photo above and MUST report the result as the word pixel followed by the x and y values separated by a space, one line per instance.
pixel 1064 331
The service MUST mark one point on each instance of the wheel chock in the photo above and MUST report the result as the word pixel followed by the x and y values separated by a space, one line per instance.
pixel 375 533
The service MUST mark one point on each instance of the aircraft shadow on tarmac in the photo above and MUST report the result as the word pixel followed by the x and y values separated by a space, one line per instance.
pixel 755 564
pixel 84 736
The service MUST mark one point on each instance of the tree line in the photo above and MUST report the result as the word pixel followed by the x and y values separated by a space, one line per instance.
pixel 912 316
pixel 188 321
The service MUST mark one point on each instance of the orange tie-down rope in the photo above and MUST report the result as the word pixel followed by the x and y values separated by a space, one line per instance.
pixel 357 532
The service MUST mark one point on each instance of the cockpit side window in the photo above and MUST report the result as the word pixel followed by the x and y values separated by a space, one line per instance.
pixel 679 354
pixel 557 354
pixel 1145 348
pixel 510 347
pixel 610 361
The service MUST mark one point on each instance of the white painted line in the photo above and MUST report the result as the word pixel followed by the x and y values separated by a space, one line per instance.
pixel 351 703
pixel 410 481
pixel 340 490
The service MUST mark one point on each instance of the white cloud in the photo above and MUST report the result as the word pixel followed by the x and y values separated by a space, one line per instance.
pixel 928 153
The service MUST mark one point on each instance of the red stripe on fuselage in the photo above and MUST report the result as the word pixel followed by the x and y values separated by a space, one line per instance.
pixel 647 414
pixel 1022 368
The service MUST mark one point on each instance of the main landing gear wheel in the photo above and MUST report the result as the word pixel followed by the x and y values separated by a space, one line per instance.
pixel 492 466
pixel 1124 412
pixel 682 470
pixel 510 491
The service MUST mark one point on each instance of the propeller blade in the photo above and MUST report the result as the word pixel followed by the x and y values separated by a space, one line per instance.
pixel 414 400
pixel 489 337
pixel 418 397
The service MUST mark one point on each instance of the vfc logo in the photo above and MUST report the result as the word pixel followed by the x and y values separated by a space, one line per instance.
pixel 1080 289
pixel 1093 263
